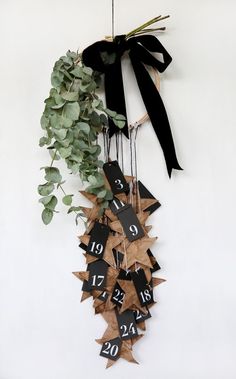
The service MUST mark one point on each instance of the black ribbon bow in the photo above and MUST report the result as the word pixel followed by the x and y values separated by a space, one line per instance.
pixel 105 57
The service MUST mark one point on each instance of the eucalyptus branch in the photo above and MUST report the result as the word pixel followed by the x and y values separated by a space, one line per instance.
pixel 72 118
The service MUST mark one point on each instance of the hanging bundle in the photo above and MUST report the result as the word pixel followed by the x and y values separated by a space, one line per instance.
pixel 79 128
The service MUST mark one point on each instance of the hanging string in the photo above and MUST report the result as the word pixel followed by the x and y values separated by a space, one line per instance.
pixel 113 19
pixel 122 151
pixel 138 199
pixel 131 165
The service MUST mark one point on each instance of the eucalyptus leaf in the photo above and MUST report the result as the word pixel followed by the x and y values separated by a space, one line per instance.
pixel 77 72
pixel 72 111
pixel 53 175
pixel 52 203
pixel 60 133
pixel 83 127
pixel 45 189
pixel 87 70
pixel 101 194
pixel 119 123
pixel 58 106
pixel 65 152
pixel 47 216
pixel 46 200
pixel 67 199
pixel 70 96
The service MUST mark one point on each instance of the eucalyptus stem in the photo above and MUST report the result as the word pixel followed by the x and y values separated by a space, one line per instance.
pixel 53 158
pixel 145 25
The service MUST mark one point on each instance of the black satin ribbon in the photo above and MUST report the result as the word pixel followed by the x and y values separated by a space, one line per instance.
pixel 105 57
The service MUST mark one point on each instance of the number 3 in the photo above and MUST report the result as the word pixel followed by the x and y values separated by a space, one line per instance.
pixel 119 184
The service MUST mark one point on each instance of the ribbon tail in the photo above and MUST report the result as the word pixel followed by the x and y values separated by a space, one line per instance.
pixel 157 113
pixel 115 97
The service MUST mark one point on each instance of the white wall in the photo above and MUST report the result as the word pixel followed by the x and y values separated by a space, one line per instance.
pixel 45 332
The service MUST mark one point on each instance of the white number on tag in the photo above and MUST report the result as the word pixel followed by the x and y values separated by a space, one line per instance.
pixel 119 296
pixel 96 248
pixel 97 280
pixel 119 184
pixel 127 330
pixel 110 349
pixel 134 230
pixel 145 295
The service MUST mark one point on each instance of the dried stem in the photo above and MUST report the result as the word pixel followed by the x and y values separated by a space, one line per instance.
pixel 145 25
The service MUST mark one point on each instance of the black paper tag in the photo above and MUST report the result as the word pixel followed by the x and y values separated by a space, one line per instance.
pixel 127 325
pixel 145 194
pixel 83 246
pixel 98 275
pixel 98 240
pixel 140 317
pixel 86 287
pixel 115 177
pixel 144 292
pixel 104 296
pixel 117 205
pixel 156 266
pixel 111 349
pixel 124 275
pixel 130 223
pixel 118 295
pixel 118 256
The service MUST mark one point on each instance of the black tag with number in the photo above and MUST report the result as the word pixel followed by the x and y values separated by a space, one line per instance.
pixel 140 317
pixel 118 295
pixel 130 223
pixel 155 265
pixel 98 275
pixel 118 256
pixel 104 296
pixel 98 240
pixel 117 205
pixel 124 275
pixel 115 177
pixel 86 287
pixel 144 291
pixel 145 194
pixel 111 349
pixel 127 325
pixel 83 246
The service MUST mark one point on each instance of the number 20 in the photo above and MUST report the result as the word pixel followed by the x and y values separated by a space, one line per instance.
pixel 109 349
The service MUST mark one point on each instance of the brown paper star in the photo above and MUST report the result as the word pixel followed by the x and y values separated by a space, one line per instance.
pixel 131 300
pixel 137 252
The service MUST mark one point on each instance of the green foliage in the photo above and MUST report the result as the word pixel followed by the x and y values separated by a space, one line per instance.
pixel 73 117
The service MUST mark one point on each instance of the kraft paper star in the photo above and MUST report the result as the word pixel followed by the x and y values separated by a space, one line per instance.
pixel 131 300
pixel 137 252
